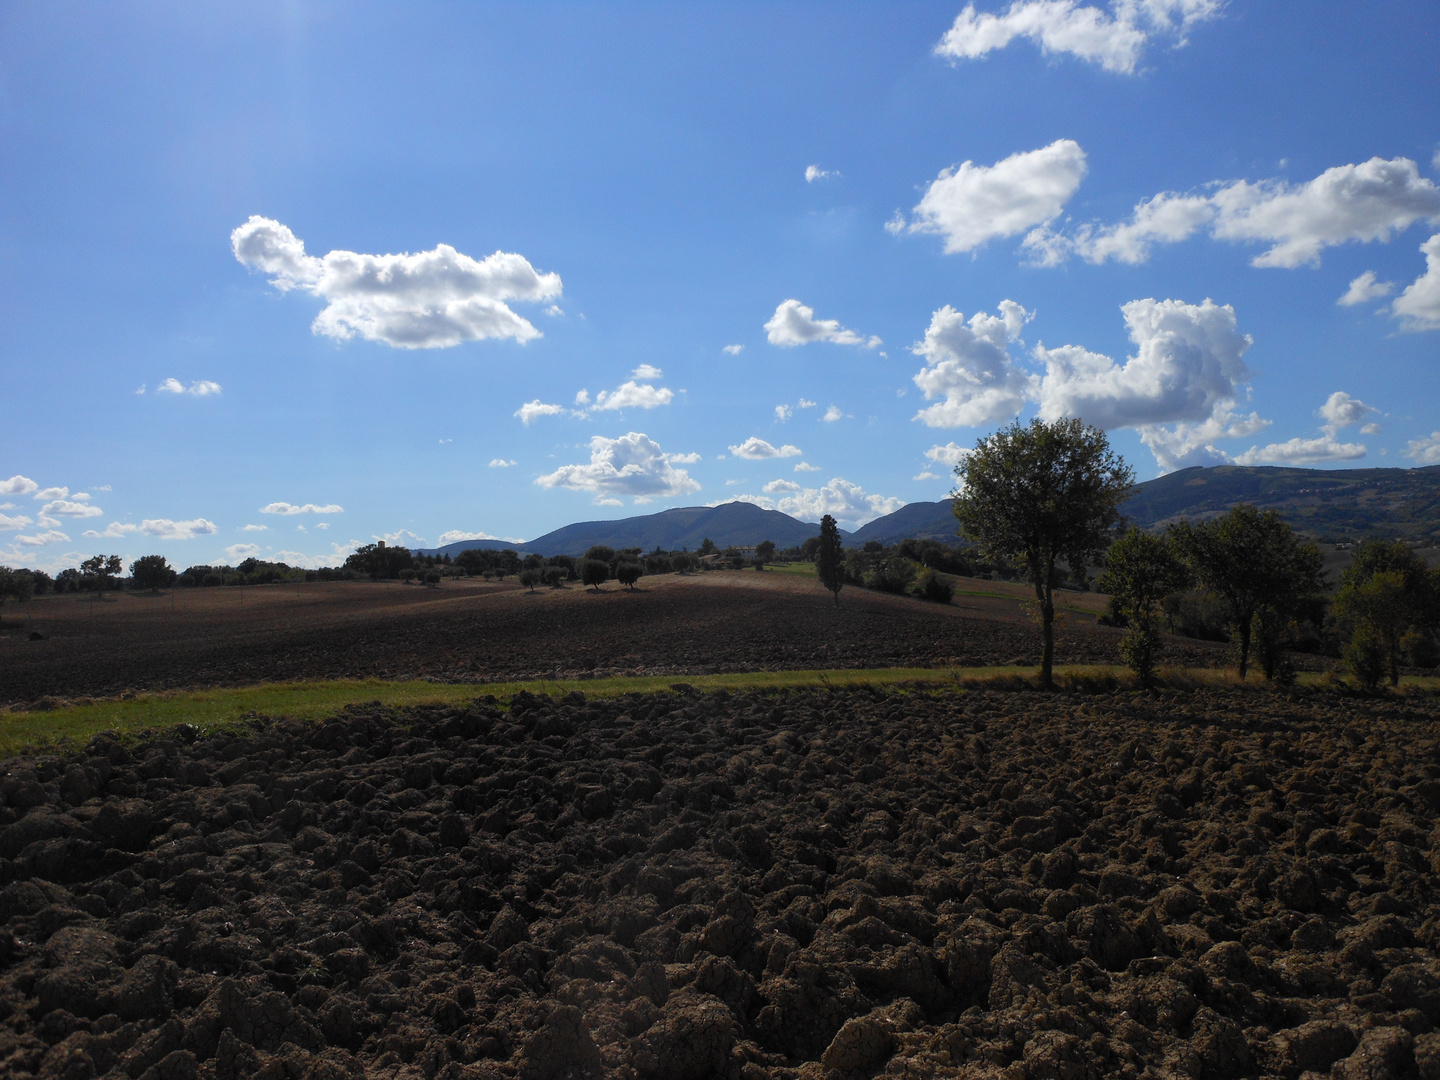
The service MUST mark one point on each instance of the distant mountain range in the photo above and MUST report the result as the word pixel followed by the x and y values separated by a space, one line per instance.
pixel 1331 504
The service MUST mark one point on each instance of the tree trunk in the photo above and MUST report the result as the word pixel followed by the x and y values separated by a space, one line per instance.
pixel 1047 649
pixel 1244 647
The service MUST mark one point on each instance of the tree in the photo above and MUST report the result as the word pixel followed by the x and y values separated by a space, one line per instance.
pixel 830 558
pixel 17 585
pixel 1043 495
pixel 1141 569
pixel 1385 591
pixel 1264 574
pixel 96 572
pixel 708 547
pixel 152 572
pixel 530 578
pixel 627 572
pixel 603 553
pixel 764 552
pixel 809 548
pixel 593 572
pixel 379 561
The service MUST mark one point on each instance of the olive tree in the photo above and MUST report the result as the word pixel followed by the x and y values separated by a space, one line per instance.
pixel 1263 573
pixel 627 572
pixel 1043 495
pixel 1141 569
pixel 594 572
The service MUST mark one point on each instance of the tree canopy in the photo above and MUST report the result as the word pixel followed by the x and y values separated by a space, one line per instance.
pixel 1386 590
pixel 830 557
pixel 1042 495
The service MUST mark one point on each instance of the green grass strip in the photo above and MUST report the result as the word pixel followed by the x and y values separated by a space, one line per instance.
pixel 226 707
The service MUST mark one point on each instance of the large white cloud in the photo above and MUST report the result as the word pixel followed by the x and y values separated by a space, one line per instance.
pixel 847 503
pixel 633 464
pixel 290 509
pixel 970 205
pixel 795 324
pixel 18 485
pixel 1371 201
pixel 1114 41
pixel 1418 307
pixel 1425 450
pixel 430 299
pixel 969 365
pixel 78 506
pixel 633 395
pixel 159 528
pixel 1186 444
pixel 1300 451
pixel 1188 360
pixel 757 449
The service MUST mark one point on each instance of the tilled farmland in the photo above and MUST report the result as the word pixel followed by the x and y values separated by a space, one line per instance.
pixel 828 884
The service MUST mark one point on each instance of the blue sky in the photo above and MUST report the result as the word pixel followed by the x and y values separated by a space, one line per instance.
pixel 428 271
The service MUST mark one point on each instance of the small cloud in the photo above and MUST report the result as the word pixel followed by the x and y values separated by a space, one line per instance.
pixel 18 485
pixel 454 536
pixel 444 441
pixel 201 388
pixel 1370 429
pixel 925 475
pixel 814 172
pixel 805 466
pixel 254 528
pixel 1364 288
pixel 896 225
pixel 322 525
pixel 102 487
pixel 806 403
pixel 50 492
pixel 403 538
pixel 237 553
pixel 532 409
pixel 165 529
pixel 582 397
pixel 779 486
pixel 950 454
pixel 142 389
pixel 733 350
pixel 795 324
pixel 1341 411
pixel 300 528
pixel 554 311
pixel 757 449
pixel 289 509
pixel 647 371
pixel 683 459
pixel 50 536
pixel 608 502
pixel 783 413
pixel 634 395
pixel 498 463
pixel 832 414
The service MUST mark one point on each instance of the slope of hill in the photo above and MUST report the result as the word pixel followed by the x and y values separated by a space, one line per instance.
pixel 1332 504
pixel 917 521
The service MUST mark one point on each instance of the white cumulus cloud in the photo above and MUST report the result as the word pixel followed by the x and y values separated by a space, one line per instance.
pixel 430 299
pixel 775 487
pixel 199 388
pixel 1188 444
pixel 633 465
pixel 532 409
pixel 1114 40
pixel 1341 411
pixel 757 449
pixel 289 509
pixel 159 528
pixel 18 485
pixel 633 395
pixel 832 414
pixel 238 553
pixel 77 507
pixel 1425 450
pixel 500 463
pixel 814 172
pixel 968 364
pixel 951 454
pixel 1365 288
pixel 733 350
pixel 11 523
pixel 50 536
pixel 970 205
pixel 805 466
pixel 1300 451
pixel 795 324
pixel 254 528
pixel 647 371
pixel 848 503
pixel 1418 307
pixel 783 413
pixel 1364 203
pixel 455 535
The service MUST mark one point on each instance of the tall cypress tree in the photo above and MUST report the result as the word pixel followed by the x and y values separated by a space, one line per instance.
pixel 829 557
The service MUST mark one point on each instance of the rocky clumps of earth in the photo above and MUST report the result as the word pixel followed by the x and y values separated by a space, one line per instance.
pixel 817 885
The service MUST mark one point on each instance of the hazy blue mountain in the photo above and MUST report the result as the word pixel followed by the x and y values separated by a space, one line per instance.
pixel 917 520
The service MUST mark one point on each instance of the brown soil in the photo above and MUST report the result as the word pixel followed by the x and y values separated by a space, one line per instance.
pixel 807 885
pixel 673 625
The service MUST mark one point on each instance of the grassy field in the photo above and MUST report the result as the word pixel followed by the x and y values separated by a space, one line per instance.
pixel 217 709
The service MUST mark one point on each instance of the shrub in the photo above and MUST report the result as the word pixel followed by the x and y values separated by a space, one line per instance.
pixel 594 572
pixel 432 578
pixel 892 575
pixel 1365 656
pixel 931 586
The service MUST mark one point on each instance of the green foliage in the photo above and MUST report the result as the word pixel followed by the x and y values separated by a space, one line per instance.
pixel 1043 495
pixel 152 572
pixel 948 559
pixel 892 575
pixel 98 571
pixel 530 578
pixel 17 585
pixel 764 552
pixel 627 572
pixel 829 557
pixel 603 553
pixel 659 563
pixel 1387 588
pixel 708 547
pixel 1365 656
pixel 931 586
pixel 1141 570
pixel 594 572
pixel 380 561
pixel 553 576
pixel 1256 565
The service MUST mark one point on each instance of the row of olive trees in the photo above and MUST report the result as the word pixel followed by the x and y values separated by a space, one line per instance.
pixel 1047 498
